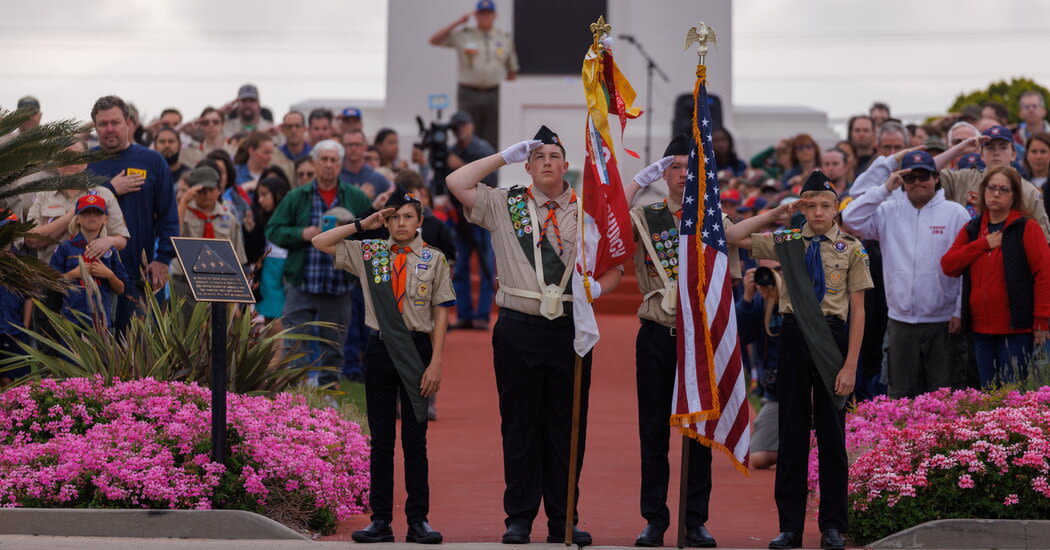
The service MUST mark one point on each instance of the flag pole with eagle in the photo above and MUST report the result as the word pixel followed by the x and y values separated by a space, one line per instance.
pixel 710 397
pixel 604 232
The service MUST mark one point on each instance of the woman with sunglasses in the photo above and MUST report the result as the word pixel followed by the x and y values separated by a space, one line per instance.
pixel 805 157
pixel 1005 264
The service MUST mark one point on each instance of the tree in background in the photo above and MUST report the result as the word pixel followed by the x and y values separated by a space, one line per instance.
pixel 1007 93
pixel 24 154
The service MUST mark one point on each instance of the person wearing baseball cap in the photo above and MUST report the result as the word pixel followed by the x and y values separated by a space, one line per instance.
pixel 246 113
pixel 924 322
pixel 486 58
pixel 996 147
pixel 101 278
pixel 350 119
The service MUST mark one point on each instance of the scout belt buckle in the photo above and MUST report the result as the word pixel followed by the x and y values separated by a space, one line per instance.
pixel 551 304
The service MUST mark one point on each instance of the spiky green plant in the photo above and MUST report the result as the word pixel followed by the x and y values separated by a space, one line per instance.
pixel 163 344
pixel 44 148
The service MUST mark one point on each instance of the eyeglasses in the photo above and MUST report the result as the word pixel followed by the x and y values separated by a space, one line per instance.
pixel 997 190
pixel 804 146
pixel 210 121
pixel 917 176
pixel 305 175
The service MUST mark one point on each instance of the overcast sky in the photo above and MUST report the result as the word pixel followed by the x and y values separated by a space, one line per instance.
pixel 833 55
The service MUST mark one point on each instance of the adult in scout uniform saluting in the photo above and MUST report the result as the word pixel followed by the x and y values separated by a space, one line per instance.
pixel 408 291
pixel 534 237
pixel 825 273
pixel 656 229
pixel 201 215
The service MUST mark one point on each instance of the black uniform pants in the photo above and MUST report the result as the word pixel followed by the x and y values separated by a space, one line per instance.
pixel 802 394
pixel 534 361
pixel 656 360
pixel 382 387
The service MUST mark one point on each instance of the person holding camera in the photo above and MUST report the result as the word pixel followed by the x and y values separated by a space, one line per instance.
pixel 759 321
pixel 924 303
pixel 470 238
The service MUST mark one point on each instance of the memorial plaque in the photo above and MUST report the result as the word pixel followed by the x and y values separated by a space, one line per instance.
pixel 213 271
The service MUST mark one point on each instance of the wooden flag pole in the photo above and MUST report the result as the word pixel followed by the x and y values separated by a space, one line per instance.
pixel 574 449
pixel 683 490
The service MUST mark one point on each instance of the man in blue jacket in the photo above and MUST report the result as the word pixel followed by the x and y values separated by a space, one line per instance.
pixel 141 180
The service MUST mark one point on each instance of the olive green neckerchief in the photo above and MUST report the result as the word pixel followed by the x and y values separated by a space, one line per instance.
pixel 524 227
pixel 823 348
pixel 397 339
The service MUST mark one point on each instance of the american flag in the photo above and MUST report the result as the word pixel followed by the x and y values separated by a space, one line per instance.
pixel 710 399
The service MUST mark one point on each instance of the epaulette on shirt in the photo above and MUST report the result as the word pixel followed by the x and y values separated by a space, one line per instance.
pixel 849 237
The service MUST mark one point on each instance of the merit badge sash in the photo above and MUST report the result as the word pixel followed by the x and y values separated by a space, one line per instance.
pixel 396 336
pixel 523 219
pixel 821 343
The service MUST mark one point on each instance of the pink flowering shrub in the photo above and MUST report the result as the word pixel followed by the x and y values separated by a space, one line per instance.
pixel 961 454
pixel 81 442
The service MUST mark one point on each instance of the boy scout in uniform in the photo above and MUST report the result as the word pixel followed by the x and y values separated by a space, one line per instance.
pixel 408 291
pixel 534 238
pixel 825 273
pixel 201 215
pixel 656 228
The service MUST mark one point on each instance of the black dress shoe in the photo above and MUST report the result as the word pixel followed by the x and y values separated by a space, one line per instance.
pixel 785 540
pixel 832 540
pixel 698 537
pixel 516 533
pixel 377 531
pixel 651 537
pixel 421 532
pixel 579 538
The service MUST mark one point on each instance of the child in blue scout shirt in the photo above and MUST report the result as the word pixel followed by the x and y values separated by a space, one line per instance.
pixel 106 271
pixel 825 275
pixel 408 291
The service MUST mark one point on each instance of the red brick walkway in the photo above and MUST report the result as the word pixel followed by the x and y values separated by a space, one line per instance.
pixel 466 469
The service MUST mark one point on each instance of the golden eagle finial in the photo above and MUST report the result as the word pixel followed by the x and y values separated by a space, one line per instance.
pixel 598 29
pixel 703 35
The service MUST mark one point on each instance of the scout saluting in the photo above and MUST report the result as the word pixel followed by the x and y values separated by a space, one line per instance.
pixel 534 238
pixel 656 228
pixel 825 274
pixel 409 292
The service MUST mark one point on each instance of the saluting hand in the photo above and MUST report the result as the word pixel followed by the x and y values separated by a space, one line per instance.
pixel 896 179
pixel 653 172
pixel 519 152
pixel 376 220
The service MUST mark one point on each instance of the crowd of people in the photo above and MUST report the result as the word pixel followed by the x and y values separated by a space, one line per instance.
pixel 927 252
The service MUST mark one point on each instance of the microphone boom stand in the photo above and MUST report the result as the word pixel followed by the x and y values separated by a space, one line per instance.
pixel 651 67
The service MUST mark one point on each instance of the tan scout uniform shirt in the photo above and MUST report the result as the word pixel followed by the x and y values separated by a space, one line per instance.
pixel 845 268
pixel 648 275
pixel 428 282
pixel 226 226
pixel 484 58
pixel 48 205
pixel 960 184
pixel 514 269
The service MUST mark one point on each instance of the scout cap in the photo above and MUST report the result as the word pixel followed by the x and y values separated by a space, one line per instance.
pixel 485 5
pixel 399 198
pixel 351 112
pixel 88 202
pixel 678 146
pixel 547 136
pixel 973 160
pixel 999 132
pixel 204 176
pixel 817 181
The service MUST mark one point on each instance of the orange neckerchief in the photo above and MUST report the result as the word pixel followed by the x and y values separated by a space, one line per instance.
pixel 398 280
pixel 552 218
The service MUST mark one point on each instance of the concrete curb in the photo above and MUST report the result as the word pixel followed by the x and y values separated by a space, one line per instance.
pixel 967 534
pixel 176 524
